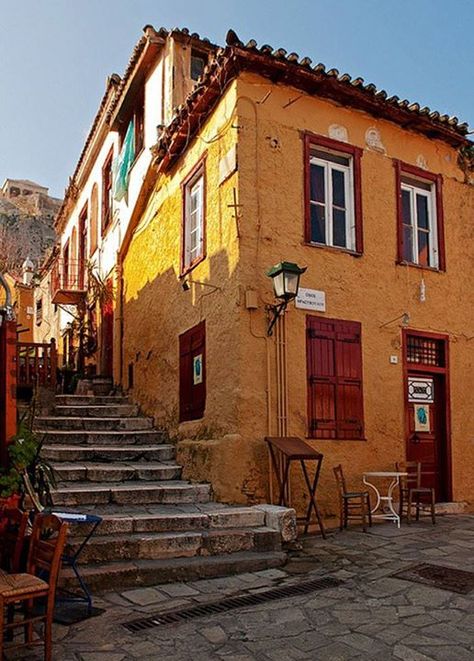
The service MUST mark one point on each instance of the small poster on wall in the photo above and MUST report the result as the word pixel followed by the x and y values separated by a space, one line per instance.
pixel 197 369
pixel 422 417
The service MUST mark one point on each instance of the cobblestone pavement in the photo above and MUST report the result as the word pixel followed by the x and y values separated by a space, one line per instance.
pixel 370 615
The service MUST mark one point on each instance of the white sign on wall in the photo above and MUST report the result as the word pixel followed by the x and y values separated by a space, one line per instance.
pixel 311 299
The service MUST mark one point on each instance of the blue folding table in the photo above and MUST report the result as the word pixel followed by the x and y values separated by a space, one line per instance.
pixel 71 560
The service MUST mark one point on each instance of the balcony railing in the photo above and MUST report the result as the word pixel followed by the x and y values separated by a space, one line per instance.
pixel 36 364
pixel 68 285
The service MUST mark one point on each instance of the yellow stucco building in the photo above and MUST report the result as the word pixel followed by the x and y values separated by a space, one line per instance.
pixel 273 160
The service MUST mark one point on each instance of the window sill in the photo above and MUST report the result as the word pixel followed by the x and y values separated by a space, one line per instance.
pixel 420 267
pixel 187 270
pixel 335 249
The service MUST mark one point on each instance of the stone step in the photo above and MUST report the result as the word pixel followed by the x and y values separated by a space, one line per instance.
pixel 112 453
pixel 125 520
pixel 104 438
pixel 80 493
pixel 116 472
pixel 187 544
pixel 107 576
pixel 75 400
pixel 94 411
pixel 95 424
pixel 455 507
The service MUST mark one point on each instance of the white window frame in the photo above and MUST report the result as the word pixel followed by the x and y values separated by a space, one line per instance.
pixel 194 254
pixel 348 170
pixel 430 195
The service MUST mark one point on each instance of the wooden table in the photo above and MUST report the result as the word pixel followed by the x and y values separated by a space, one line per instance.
pixel 284 450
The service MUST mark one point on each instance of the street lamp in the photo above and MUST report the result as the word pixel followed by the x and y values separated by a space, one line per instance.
pixel 286 282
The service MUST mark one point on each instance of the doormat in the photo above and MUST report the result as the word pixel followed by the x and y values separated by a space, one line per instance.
pixel 73 613
pixel 444 578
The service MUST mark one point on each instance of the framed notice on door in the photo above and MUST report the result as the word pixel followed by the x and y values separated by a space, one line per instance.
pixel 420 389
pixel 422 417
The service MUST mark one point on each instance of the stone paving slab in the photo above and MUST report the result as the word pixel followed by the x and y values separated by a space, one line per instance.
pixel 371 615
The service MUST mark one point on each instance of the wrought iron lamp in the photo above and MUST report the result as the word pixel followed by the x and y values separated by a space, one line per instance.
pixel 286 282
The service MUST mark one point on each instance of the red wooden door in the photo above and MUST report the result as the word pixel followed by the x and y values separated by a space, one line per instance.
pixel 426 432
pixel 192 373
pixel 107 338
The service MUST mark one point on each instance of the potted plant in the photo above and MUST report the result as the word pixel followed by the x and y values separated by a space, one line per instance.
pixel 35 474
pixel 10 496
pixel 28 476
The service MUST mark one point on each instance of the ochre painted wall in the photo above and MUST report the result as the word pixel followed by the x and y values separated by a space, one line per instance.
pixel 156 309
pixel 372 289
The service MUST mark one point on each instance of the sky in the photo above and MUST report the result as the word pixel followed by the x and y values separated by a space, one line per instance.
pixel 55 56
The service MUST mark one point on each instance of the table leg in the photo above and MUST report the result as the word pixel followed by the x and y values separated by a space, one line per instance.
pixel 377 494
pixel 395 482
pixel 281 482
pixel 312 499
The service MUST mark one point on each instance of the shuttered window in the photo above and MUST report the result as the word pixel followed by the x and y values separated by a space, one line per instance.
pixel 334 366
pixel 192 373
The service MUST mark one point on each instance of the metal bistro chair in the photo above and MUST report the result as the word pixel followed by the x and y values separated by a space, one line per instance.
pixel 411 490
pixel 44 559
pixel 12 540
pixel 352 504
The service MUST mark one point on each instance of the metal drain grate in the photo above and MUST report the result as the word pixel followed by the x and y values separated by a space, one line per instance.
pixel 229 603
pixel 436 576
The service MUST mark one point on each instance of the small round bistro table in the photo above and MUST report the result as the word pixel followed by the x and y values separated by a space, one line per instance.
pixel 385 503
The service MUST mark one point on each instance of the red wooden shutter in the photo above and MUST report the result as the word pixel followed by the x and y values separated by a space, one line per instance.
pixel 334 369
pixel 349 405
pixel 322 380
pixel 192 396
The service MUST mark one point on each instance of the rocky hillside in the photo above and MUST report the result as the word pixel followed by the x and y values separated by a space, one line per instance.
pixel 26 228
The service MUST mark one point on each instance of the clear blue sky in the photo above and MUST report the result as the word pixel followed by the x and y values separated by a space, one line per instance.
pixel 56 54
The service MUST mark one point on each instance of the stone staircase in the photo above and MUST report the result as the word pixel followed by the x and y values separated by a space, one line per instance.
pixel 110 461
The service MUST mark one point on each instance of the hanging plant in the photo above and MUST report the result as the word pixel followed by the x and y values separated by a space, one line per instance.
pixel 466 161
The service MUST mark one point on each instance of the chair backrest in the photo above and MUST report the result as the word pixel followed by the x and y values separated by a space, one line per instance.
pixel 413 479
pixel 340 480
pixel 12 539
pixel 46 548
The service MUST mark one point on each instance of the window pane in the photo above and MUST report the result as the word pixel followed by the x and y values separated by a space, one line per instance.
pixel 406 209
pixel 339 228
pixel 317 183
pixel 338 191
pixel 422 211
pixel 407 243
pixel 318 224
pixel 423 248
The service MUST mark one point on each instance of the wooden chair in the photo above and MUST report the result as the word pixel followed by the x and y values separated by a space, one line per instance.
pixel 12 540
pixel 352 504
pixel 411 490
pixel 44 562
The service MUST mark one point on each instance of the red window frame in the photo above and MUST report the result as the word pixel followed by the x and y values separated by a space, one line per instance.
pixel 335 380
pixel 198 170
pixel 138 116
pixel 192 397
pixel 315 140
pixel 93 220
pixel 106 191
pixel 402 169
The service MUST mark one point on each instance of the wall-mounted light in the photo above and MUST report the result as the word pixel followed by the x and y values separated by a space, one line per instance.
pixel 286 282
